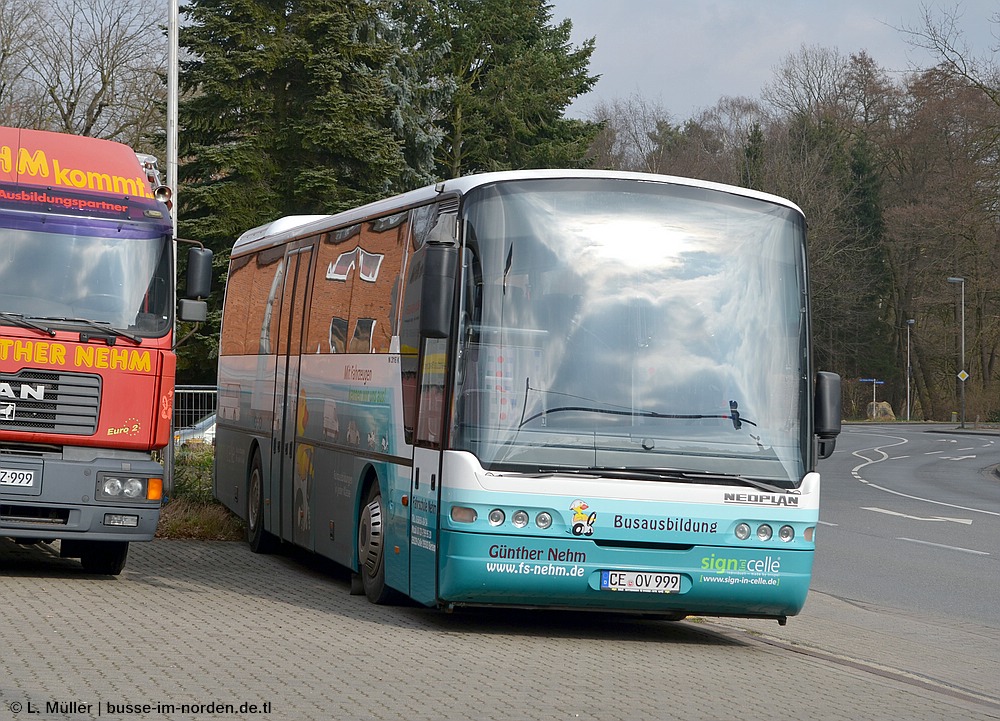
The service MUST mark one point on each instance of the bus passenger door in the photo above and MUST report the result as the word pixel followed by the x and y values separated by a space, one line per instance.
pixel 425 489
pixel 284 522
pixel 424 330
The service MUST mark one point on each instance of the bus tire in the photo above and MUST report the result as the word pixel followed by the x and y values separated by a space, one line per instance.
pixel 371 547
pixel 105 558
pixel 260 540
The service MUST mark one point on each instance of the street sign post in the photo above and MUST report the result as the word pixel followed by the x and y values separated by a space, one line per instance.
pixel 875 383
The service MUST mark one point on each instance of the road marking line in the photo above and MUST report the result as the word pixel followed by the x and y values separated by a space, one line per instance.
pixel 941 545
pixel 827 523
pixel 936 503
pixel 885 456
pixel 965 521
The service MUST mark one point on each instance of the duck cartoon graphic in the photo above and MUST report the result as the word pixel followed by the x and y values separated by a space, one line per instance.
pixel 583 524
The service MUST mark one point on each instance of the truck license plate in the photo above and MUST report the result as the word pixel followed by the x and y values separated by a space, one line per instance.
pixel 17 477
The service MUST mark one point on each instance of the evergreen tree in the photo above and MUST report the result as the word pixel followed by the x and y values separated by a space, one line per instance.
pixel 286 112
pixel 513 75
pixel 418 94
pixel 753 158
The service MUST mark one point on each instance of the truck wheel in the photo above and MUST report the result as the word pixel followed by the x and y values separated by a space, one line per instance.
pixel 260 540
pixel 106 558
pixel 371 548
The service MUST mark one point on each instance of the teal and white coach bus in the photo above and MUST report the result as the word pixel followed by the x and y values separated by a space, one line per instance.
pixel 556 389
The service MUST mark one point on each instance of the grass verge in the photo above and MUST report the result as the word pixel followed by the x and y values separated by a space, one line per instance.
pixel 192 512
pixel 200 520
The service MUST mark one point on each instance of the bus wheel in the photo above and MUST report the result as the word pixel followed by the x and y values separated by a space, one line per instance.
pixel 371 556
pixel 106 558
pixel 260 540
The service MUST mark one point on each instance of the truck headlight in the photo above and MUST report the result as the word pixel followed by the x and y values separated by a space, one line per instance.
pixel 111 487
pixel 127 489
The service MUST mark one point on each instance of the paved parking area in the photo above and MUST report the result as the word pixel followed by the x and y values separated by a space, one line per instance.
pixel 195 630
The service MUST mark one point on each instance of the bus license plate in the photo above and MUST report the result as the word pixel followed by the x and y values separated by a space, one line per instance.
pixel 17 477
pixel 640 581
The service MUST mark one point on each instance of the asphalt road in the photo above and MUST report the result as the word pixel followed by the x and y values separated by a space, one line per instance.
pixel 910 519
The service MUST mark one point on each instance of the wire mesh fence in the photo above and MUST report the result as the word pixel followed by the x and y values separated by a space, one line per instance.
pixel 194 414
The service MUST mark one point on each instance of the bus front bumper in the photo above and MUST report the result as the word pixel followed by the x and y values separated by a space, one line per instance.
pixel 479 569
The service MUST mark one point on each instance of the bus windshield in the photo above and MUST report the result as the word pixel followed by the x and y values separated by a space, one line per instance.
pixel 640 326
pixel 106 272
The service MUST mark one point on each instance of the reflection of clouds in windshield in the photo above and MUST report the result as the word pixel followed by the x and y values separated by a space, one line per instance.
pixel 100 278
pixel 651 303
pixel 677 292
pixel 34 269
pixel 628 244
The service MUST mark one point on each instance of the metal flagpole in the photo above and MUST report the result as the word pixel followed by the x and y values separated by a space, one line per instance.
pixel 171 177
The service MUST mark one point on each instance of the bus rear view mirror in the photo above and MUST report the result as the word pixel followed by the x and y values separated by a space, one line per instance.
pixel 827 412
pixel 437 290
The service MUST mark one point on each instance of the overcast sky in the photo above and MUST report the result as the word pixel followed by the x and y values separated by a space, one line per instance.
pixel 687 54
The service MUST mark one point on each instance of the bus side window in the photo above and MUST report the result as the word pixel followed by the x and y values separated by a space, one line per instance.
pixel 421 221
pixel 331 294
pixel 432 375
pixel 338 335
pixel 409 344
pixel 247 287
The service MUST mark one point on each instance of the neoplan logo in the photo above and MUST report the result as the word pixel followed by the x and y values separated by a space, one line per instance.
pixel 762 499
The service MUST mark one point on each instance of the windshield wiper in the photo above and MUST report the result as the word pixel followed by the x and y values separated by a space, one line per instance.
pixel 733 415
pixel 19 319
pixel 109 332
pixel 734 479
pixel 665 474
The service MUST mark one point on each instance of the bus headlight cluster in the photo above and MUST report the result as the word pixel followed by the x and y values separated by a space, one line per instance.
pixel 764 532
pixel 497 517
pixel 128 488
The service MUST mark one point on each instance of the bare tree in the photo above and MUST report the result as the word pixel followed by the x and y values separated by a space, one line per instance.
pixel 716 140
pixel 628 138
pixel 99 65
pixel 951 175
pixel 940 34
pixel 808 83
pixel 20 29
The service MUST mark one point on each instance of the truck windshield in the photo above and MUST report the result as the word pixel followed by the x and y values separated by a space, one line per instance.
pixel 106 272
pixel 634 326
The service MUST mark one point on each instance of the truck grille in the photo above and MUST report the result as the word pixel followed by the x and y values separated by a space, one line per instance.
pixel 34 514
pixel 70 402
